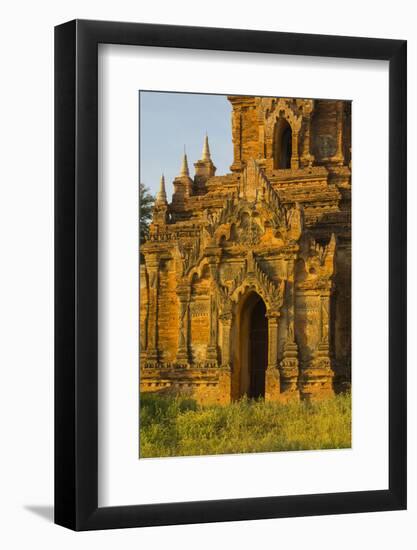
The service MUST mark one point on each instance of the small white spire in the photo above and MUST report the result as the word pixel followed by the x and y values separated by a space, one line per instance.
pixel 184 167
pixel 161 196
pixel 206 150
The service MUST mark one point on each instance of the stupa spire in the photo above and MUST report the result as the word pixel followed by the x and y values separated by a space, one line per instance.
pixel 206 150
pixel 204 168
pixel 184 166
pixel 161 196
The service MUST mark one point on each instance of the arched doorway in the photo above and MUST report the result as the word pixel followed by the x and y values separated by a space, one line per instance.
pixel 258 352
pixel 282 144
pixel 253 347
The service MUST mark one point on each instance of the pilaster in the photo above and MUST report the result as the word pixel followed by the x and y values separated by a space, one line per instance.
pixel 183 292
pixel 289 366
pixel 226 321
pixel 338 158
pixel 212 345
pixel 152 266
pixel 295 160
pixel 272 375
pixel 307 158
pixel 316 380
pixel 237 139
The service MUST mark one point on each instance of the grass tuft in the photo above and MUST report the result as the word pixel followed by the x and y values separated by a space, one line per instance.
pixel 179 427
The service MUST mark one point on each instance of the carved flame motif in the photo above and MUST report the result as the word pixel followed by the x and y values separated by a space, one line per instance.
pixel 244 217
pixel 251 276
pixel 190 255
pixel 319 264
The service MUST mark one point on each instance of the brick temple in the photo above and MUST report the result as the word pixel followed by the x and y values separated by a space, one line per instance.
pixel 245 279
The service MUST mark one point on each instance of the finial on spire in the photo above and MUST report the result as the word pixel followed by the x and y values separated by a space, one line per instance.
pixel 161 196
pixel 206 150
pixel 184 167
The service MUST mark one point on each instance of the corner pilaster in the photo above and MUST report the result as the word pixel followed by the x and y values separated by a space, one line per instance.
pixel 152 266
pixel 183 292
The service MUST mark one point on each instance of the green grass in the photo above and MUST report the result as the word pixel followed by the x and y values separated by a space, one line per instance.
pixel 179 427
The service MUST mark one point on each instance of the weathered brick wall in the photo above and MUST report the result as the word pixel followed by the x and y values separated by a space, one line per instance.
pixel 250 133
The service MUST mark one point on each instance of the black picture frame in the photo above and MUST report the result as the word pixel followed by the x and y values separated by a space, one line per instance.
pixel 76 272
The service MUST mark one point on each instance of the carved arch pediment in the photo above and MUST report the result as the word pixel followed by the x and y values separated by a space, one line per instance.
pixel 253 277
pixel 273 297
pixel 316 264
pixel 285 108
pixel 198 269
pixel 248 285
pixel 255 192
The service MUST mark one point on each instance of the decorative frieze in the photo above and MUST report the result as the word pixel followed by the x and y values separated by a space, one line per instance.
pixel 199 308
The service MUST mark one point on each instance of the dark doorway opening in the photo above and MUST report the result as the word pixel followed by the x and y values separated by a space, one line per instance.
pixel 258 350
pixel 282 144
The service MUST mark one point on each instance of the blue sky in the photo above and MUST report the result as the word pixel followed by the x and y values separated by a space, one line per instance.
pixel 168 121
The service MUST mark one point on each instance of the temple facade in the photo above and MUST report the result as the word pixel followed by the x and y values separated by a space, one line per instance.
pixel 245 279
